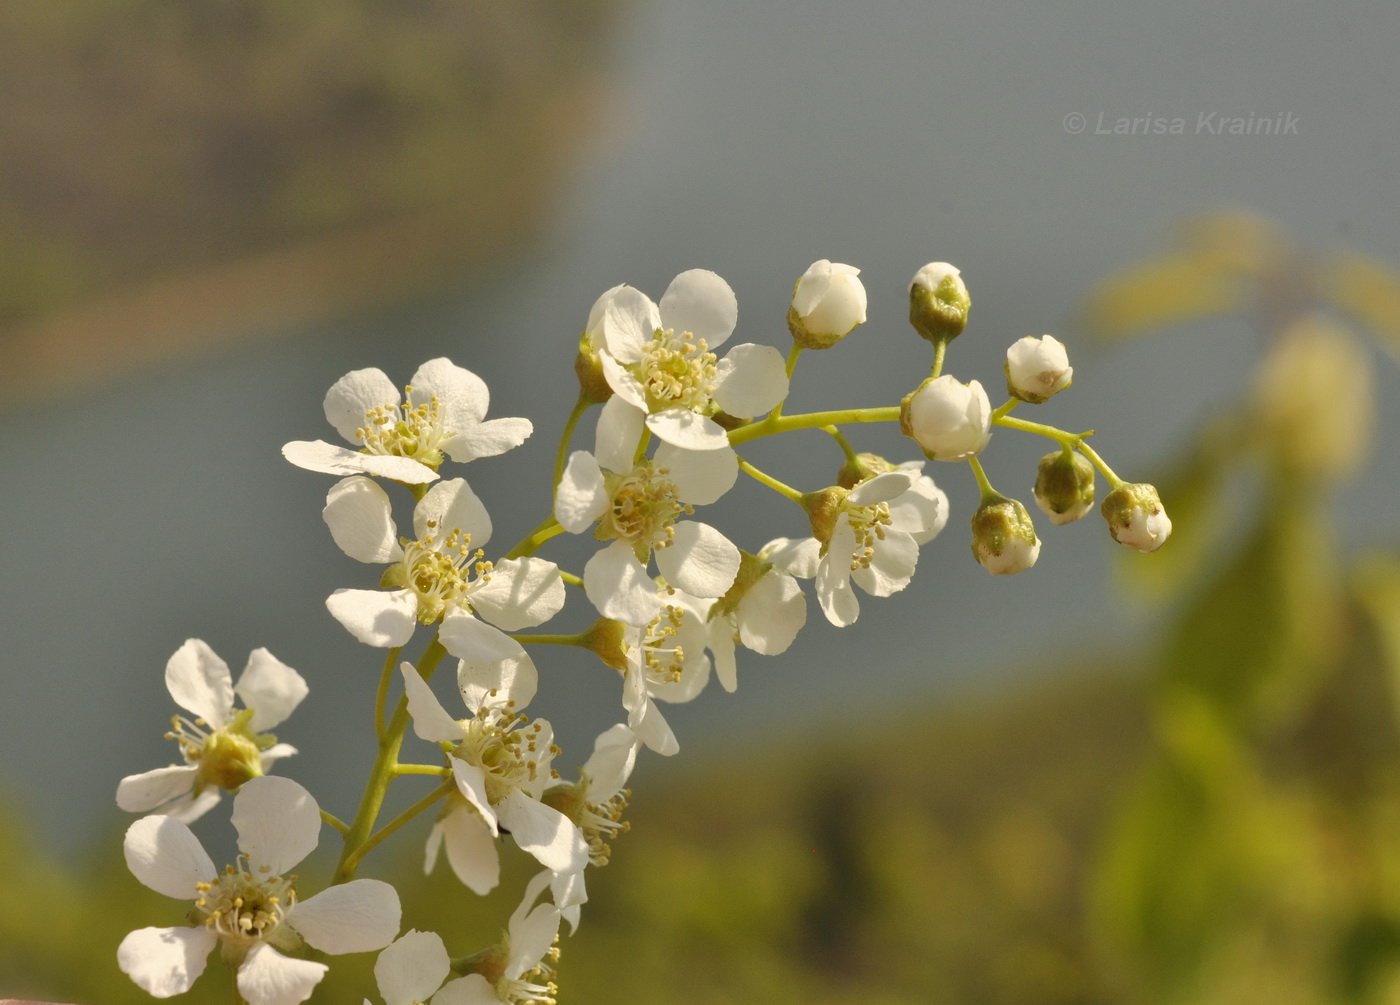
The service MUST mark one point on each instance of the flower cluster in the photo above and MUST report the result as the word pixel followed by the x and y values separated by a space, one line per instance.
pixel 670 598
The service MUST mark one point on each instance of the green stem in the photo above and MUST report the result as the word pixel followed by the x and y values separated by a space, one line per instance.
pixel 1098 462
pixel 1005 408
pixel 382 773
pixel 549 528
pixel 1039 428
pixel 562 456
pixel 352 861
pixel 421 769
pixel 641 453
pixel 781 488
pixel 989 494
pixel 571 579
pixel 811 420
pixel 844 444
pixel 939 349
pixel 381 696
pixel 793 353
pixel 335 822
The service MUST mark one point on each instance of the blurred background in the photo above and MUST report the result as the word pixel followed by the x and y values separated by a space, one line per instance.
pixel 1116 778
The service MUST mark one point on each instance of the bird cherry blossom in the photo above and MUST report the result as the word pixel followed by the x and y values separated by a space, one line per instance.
pixel 223 746
pixel 950 420
pixel 519 969
pixel 412 970
pixel 827 305
pixel 1037 368
pixel 442 412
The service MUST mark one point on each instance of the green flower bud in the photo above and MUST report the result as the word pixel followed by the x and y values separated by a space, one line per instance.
pixel 938 302
pixel 1136 517
pixel 1003 537
pixel 1064 486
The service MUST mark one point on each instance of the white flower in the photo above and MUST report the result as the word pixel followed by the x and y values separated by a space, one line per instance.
pixel 223 746
pixel 596 802
pixel 1003 537
pixel 440 573
pixel 659 360
pixel 251 908
pixel 514 971
pixel 412 970
pixel 827 305
pixel 952 421
pixel 872 537
pixel 1136 517
pixel 501 764
pixel 1037 368
pixel 404 437
pixel 638 504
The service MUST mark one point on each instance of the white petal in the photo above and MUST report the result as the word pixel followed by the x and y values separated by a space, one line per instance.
pixel 471 850
pixel 610 765
pixel 200 682
pixel 838 601
pixel 509 680
pixel 467 638
pixel 146 791
pixel 361 520
pixel 355 917
pixel 882 488
pixel 544 832
pixel 165 855
pixel 619 586
pixel 278 822
pixel 582 496
pixel 700 476
pixel 266 977
pixel 270 688
pixel 472 989
pixel 431 721
pixel 771 614
pixel 327 458
pixel 449 506
pixel 683 428
pixel 191 807
pixel 891 566
pixel 795 556
pixel 165 962
pixel 699 560
pixel 700 302
pixel 462 396
pixel 275 753
pixel 922 511
pixel 412 968
pixel 353 396
pixel 487 439
pixel 378 618
pixel 750 380
pixel 471 782
pixel 629 321
pixel 726 667
pixel 624 385
pixel 521 593
pixel 653 729
pixel 620 425
pixel 531 938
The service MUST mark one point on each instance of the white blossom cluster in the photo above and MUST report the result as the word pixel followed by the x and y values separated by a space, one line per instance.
pixel 671 598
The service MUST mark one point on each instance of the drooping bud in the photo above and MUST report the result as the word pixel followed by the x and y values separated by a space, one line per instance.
pixel 938 302
pixel 1064 486
pixel 1037 368
pixel 1136 517
pixel 950 420
pixel 828 304
pixel 1003 537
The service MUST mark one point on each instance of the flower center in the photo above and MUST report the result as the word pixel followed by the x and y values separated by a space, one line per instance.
pixel 662 658
pixel 405 430
pixel 241 907
pixel 676 370
pixel 600 822
pixel 439 569
pixel 226 757
pixel 868 523
pixel 507 747
pixel 643 507
pixel 535 986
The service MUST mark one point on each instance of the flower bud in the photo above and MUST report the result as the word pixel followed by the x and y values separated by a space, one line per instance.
pixel 1136 517
pixel 1064 486
pixel 950 420
pixel 827 305
pixel 1003 537
pixel 1037 368
pixel 938 302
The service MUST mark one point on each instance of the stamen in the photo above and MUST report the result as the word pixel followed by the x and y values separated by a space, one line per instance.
pixel 676 371
pixel 405 430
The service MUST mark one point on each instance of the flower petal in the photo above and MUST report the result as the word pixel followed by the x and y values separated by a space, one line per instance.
pixel 891 565
pixel 146 791
pixel 431 721
pixel 471 782
pixel 531 938
pixel 683 428
pixel 521 593
pixel 361 520
pixel 882 488
pixel 278 822
pixel 619 586
pixel 488 439
pixel 512 680
pixel 449 506
pixel 270 688
pixel 472 989
pixel 610 765
pixel 412 968
pixel 699 560
pixel 467 638
pixel 355 917
pixel 700 302
pixel 354 396
pixel 629 321
pixel 165 855
pixel 166 961
pixel 200 682
pixel 771 614
pixel 623 384
pixel 471 850
pixel 191 807
pixel 327 458
pixel 700 476
pixel 722 648
pixel 795 556
pixel 266 977
pixel 544 832
pixel 582 496
pixel 378 618
pixel 922 511
pixel 462 396
pixel 750 380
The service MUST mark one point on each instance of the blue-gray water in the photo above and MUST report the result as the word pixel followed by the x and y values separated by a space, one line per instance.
pixel 750 138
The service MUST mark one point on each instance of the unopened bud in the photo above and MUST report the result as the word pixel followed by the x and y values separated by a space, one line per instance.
pixel 938 302
pixel 1037 368
pixel 1136 516
pixel 1064 486
pixel 828 304
pixel 950 420
pixel 1003 537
